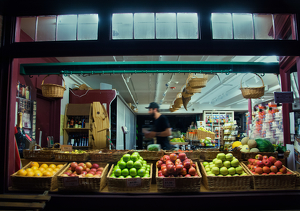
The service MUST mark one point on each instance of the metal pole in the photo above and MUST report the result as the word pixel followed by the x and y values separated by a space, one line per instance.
pixel 250 115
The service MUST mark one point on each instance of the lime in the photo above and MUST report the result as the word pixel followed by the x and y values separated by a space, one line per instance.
pixel 132 172
pixel 141 172
pixel 118 172
pixel 121 177
pixel 129 164
pixel 122 165
pixel 129 176
pixel 126 157
pixel 125 172
pixel 137 165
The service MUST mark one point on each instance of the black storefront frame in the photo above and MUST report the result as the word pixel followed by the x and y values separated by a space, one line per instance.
pixel 104 46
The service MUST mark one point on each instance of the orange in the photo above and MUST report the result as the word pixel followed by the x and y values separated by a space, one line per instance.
pixel 48 169
pixel 34 168
pixel 30 174
pixel 47 174
pixel 44 165
pixel 34 164
pixel 28 169
pixel 56 169
pixel 22 172
pixel 41 169
pixel 59 166
pixel 37 171
pixel 38 174
pixel 52 166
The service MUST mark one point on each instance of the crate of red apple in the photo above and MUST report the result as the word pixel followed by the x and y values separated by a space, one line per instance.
pixel 177 173
pixel 270 173
pixel 83 177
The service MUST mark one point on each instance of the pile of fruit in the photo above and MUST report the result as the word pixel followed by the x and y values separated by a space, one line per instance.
pixel 202 129
pixel 224 165
pixel 36 170
pixel 251 145
pixel 76 152
pixel 207 142
pixel 83 170
pixel 174 165
pixel 264 165
pixel 177 140
pixel 131 166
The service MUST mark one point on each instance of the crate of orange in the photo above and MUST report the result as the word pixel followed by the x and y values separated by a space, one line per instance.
pixel 38 176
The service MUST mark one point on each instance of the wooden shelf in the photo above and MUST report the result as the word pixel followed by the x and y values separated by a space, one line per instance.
pixel 75 129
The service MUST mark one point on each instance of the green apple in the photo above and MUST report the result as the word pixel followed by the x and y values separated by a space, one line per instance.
pixel 121 176
pixel 231 170
pixel 137 176
pixel 148 166
pixel 214 160
pixel 223 171
pixel 211 174
pixel 129 176
pixel 132 172
pixel 112 176
pixel 229 156
pixel 220 175
pixel 221 156
pixel 236 175
pixel 122 165
pixel 148 172
pixel 218 163
pixel 244 174
pixel 116 167
pixel 215 170
pixel 125 172
pixel 207 169
pixel 144 162
pixel 129 164
pixel 228 175
pixel 205 163
pixel 137 165
pixel 118 172
pixel 141 172
pixel 212 165
pixel 126 157
pixel 146 175
pixel 239 170
pixel 208 172
pixel 134 157
pixel 227 164
pixel 235 163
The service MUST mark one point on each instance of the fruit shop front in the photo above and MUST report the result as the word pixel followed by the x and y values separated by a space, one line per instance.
pixel 192 174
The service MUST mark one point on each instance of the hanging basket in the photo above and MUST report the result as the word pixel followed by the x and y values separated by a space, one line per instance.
pixel 185 94
pixel 191 90
pixel 53 90
pixel 196 83
pixel 173 109
pixel 253 92
pixel 178 102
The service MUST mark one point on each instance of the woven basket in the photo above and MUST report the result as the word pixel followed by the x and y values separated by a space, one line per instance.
pixel 39 154
pixel 226 183
pixel 70 157
pixel 297 178
pixel 277 181
pixel 192 154
pixel 179 184
pixel 85 184
pixel 53 90
pixel 53 148
pixel 209 155
pixel 36 183
pixel 107 156
pixel 196 83
pixel 121 184
pixel 185 94
pixel 150 155
pixel 191 90
pixel 178 101
pixel 248 155
pixel 253 92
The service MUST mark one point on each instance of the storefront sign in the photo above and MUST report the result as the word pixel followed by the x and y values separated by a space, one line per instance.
pixel 283 97
pixel 71 181
pixel 169 183
pixel 65 148
pixel 134 182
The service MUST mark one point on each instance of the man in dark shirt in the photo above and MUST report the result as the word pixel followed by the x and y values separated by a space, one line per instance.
pixel 161 128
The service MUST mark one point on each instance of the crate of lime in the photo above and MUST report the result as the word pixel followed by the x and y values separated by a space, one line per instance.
pixel 225 172
pixel 131 174
pixel 177 173
pixel 83 177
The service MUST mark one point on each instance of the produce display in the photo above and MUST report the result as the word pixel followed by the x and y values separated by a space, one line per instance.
pixel 265 165
pixel 83 170
pixel 207 142
pixel 174 165
pixel 153 147
pixel 75 152
pixel 36 170
pixel 203 129
pixel 131 166
pixel 224 165
pixel 177 140
pixel 257 145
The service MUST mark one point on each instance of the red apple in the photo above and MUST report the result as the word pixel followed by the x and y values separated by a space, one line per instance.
pixel 278 164
pixel 100 169
pixel 169 162
pixel 273 169
pixel 173 157
pixel 79 169
pixel 183 172
pixel 279 172
pixel 161 175
pixel 182 156
pixel 283 170
pixel 187 175
pixel 177 161
pixel 166 157
pixel 159 172
pixel 158 163
pixel 84 172
pixel 88 165
pixel 250 160
pixel 73 166
pixel 81 164
pixel 259 170
pixel 73 175
pixel 264 174
pixel 272 159
pixel 95 165
pixel 258 157
pixel 265 157
pixel 271 173
pixel 93 169
pixel 179 168
pixel 163 166
pixel 260 164
pixel 266 169
pixel 67 173
pixel 192 171
pixel 289 172
pixel 70 171
pixel 92 172
pixel 187 164
pixel 87 169
pixel 165 172
pixel 194 165
pixel 256 173
pixel 99 172
pixel 97 175
pixel 69 168
pixel 267 163
pixel 170 168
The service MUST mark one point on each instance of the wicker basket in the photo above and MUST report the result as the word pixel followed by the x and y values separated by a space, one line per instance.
pixel 281 181
pixel 179 184
pixel 248 155
pixel 53 148
pixel 107 156
pixel 70 157
pixel 253 92
pixel 85 184
pixel 122 184
pixel 178 101
pixel 53 90
pixel 226 183
pixel 36 183
pixel 192 154
pixel 185 94
pixel 39 154
pixel 196 83
pixel 191 90
pixel 150 155
pixel 297 178
pixel 209 155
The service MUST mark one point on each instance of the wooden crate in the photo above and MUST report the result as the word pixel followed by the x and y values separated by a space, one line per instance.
pixel 149 155
pixel 209 155
pixel 85 184
pixel 248 155
pixel 277 181
pixel 191 154
pixel 39 154
pixel 108 156
pixel 226 183
pixel 123 184
pixel 179 184
pixel 36 183
pixel 70 157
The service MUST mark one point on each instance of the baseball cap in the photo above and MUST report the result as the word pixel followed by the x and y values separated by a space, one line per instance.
pixel 153 105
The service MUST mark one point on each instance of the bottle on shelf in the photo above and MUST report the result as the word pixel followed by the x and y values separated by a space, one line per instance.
pixel 76 122
pixel 83 123
pixel 72 122
pixel 68 123
pixel 79 123
pixel 73 140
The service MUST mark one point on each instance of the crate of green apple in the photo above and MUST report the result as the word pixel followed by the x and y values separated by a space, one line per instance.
pixel 225 172
pixel 131 174
pixel 177 173
pixel 270 173
pixel 89 176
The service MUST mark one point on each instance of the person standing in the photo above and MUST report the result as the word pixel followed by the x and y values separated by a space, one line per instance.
pixel 161 127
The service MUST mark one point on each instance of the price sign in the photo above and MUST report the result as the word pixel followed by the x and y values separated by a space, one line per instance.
pixel 68 148
pixel 283 97
pixel 134 182
pixel 71 181
pixel 169 183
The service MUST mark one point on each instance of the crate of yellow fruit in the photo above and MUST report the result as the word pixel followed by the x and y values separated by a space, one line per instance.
pixel 38 176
